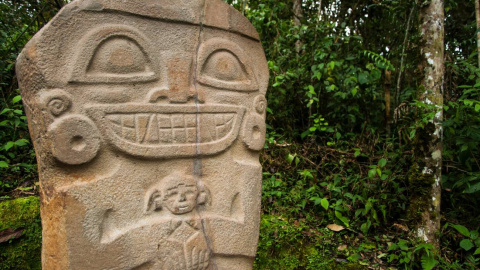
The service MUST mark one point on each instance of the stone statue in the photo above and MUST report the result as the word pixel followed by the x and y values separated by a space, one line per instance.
pixel 147 117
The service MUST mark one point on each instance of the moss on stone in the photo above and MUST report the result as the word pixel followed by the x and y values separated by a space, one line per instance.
pixel 24 252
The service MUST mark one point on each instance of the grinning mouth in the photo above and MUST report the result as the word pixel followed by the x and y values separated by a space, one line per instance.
pixel 160 128
pixel 166 131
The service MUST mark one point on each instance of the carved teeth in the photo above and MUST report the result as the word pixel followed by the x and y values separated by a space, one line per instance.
pixel 175 128
pixel 168 131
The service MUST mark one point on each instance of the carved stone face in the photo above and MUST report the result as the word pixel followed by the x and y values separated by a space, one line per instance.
pixel 129 104
pixel 180 195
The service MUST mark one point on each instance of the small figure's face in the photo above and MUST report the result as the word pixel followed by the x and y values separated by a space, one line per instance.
pixel 181 199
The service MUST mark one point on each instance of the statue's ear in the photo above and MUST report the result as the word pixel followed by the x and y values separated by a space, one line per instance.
pixel 202 198
pixel 154 202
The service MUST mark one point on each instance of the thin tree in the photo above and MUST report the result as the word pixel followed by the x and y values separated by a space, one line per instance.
pixel 431 94
pixel 297 21
pixel 477 15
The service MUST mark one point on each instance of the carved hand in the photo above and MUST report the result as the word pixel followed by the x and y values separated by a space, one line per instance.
pixel 197 253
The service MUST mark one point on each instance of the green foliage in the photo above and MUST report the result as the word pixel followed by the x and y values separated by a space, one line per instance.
pixel 427 259
pixel 462 131
pixel 412 255
pixel 332 80
pixel 472 240
pixel 17 159
pixel 299 192
pixel 24 252
pixel 379 60
pixel 20 21
pixel 286 245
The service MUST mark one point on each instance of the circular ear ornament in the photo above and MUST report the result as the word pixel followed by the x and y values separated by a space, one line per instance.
pixel 57 101
pixel 75 139
pixel 254 132
pixel 260 104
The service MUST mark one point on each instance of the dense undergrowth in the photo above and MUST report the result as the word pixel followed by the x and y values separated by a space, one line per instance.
pixel 309 187
pixel 341 184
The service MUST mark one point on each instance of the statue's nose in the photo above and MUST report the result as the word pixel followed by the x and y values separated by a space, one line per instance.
pixel 180 83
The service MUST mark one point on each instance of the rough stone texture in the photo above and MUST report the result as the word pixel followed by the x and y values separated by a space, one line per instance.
pixel 147 117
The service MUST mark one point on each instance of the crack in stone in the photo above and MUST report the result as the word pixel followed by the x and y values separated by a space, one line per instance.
pixel 197 165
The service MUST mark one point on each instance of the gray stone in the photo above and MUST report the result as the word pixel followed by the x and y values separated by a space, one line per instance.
pixel 147 118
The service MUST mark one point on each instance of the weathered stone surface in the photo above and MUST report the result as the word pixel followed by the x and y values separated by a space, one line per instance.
pixel 147 117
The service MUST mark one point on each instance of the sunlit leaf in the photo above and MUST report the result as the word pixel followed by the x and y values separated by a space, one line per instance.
pixel 325 203
pixel 9 145
pixel 382 162
pixel 16 99
pixel 21 142
pixel 354 91
pixel 290 158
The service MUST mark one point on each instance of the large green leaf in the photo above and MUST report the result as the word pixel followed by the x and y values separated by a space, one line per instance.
pixel 16 99
pixel 473 188
pixel 466 244
pixel 461 229
pixel 325 203
pixel 9 145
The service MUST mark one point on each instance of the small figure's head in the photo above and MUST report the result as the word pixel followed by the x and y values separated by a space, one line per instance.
pixel 179 193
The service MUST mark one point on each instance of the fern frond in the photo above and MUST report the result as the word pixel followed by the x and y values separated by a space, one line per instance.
pixel 379 60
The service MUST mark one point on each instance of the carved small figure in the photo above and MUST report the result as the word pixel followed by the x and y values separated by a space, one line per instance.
pixel 180 195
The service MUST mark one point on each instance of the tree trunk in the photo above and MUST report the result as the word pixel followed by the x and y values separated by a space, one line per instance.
pixel 430 147
pixel 477 15
pixel 319 10
pixel 387 84
pixel 297 17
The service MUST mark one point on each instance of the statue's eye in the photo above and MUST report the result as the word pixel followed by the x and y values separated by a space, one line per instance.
pixel 114 54
pixel 118 56
pixel 172 193
pixel 224 65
